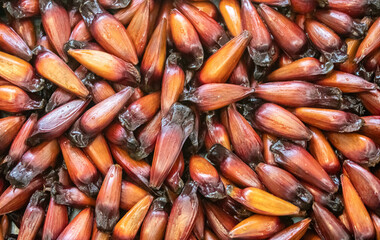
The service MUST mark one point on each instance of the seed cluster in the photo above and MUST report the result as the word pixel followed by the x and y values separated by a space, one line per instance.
pixel 184 119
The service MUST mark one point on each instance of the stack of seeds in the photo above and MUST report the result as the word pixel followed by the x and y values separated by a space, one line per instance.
pixel 177 119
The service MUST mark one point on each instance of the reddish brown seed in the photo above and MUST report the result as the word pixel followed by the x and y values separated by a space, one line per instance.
pixel 14 99
pixel 371 101
pixel 108 31
pixel 329 120
pixel 233 167
pixel 126 14
pixel 356 147
pixel 261 47
pixel 165 8
pixel 173 82
pixel 81 170
pixel 356 211
pixel 354 8
pixel 34 162
pixel 299 94
pixel 230 11
pixel 97 118
pixel 376 223
pixel 13 44
pixel 256 227
pixel 9 127
pixel 33 216
pixel 370 42
pixel 71 196
pixel 55 123
pixel 327 225
pixel 56 220
pixel 100 90
pixel 13 199
pixel 244 139
pixel 152 64
pixel 4 225
pixel 155 222
pixel 139 171
pixel 20 73
pixel 183 214
pixel 326 41
pixel 80 227
pixel 130 195
pixel 295 42
pixel 345 221
pixel 207 178
pixel 80 32
pixel 185 39
pixel 22 8
pixel 220 222
pixel 210 32
pixel 341 23
pixel 366 184
pixel 47 64
pixel 56 23
pixel 284 185
pixel 114 4
pixel 262 202
pixel 100 154
pixel 174 180
pixel 299 162
pixel 278 121
pixel 138 28
pixel 209 235
pixel 279 3
pixel 116 134
pixel 216 133
pixel 293 232
pixel 207 7
pixel 303 6
pixel 19 146
pixel 199 225
pixel 322 151
pixel 129 225
pixel 268 141
pixel 140 111
pixel 99 235
pixel 217 95
pixel 220 65
pixel 349 66
pixel 108 200
pixel 107 66
pixel 239 75
pixel 176 126
pixel 306 69
pixel 371 127
pixel 58 97
pixel 372 61
pixel 347 83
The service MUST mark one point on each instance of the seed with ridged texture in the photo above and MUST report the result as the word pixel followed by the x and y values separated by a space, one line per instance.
pixel 97 118
pixel 284 185
pixel 220 65
pixel 99 90
pixel 288 35
pixel 13 199
pixel 126 14
pixel 230 10
pixel 14 99
pixel 100 154
pixel 129 225
pixel 371 127
pixel 356 147
pixel 278 121
pixel 354 8
pixel 299 162
pixel 256 227
pixel 140 111
pixel 174 181
pixel 56 220
pixel 107 66
pixel 327 225
pixel 80 32
pixel 130 195
pixel 232 167
pixel 55 123
pixel 262 202
pixel 349 66
pixel 71 196
pixel 155 222
pixel 366 184
pixel 56 23
pixel 58 98
pixel 9 127
pixel 34 162
pixel 370 42
pixel 80 227
pixel 216 133
pixel 33 216
pixel 371 101
pixel 183 214
pixel 108 200
pixel 293 232
pixel 376 223
pixel 20 73
pixel 176 127
pixel 12 43
pixel 299 94
pixel 81 170
pixel 356 211
pixel 306 69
